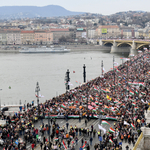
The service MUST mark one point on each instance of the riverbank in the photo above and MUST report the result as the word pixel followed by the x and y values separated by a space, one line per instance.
pixel 72 47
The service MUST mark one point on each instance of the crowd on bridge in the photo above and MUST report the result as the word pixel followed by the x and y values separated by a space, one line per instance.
pixel 122 95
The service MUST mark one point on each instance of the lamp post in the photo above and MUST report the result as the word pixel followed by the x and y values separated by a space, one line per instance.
pixel 0 105
pixel 102 67
pixel 67 80
pixel 114 71
pixel 49 128
pixel 37 89
pixel 84 73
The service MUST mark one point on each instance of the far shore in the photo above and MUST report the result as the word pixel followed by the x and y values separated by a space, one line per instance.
pixel 16 48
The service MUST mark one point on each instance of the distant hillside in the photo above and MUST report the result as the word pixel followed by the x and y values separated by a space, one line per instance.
pixel 10 12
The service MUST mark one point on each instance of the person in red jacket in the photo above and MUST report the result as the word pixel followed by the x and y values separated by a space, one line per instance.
pixel 32 145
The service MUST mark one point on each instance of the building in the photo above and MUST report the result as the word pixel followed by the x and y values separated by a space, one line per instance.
pixel 91 33
pixel 107 31
pixel 58 33
pixel 3 37
pixel 81 33
pixel 13 37
pixel 127 32
pixel 27 37
pixel 43 37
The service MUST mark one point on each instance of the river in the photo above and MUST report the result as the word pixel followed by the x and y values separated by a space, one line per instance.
pixel 22 71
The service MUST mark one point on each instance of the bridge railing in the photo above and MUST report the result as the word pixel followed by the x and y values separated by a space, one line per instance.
pixel 138 141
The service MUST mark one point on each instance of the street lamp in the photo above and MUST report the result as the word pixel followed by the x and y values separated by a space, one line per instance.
pixel 84 73
pixel 100 120
pixel 49 128
pixel 114 71
pixel 102 67
pixel 0 104
pixel 37 89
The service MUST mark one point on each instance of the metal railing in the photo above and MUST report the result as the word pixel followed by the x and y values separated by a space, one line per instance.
pixel 138 141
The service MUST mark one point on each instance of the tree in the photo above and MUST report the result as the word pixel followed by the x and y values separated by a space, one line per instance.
pixel 62 39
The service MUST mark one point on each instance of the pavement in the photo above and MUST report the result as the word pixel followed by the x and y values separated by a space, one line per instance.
pixel 73 122
pixel 76 122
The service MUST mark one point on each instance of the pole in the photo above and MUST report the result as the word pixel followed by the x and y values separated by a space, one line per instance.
pixel 37 90
pixel 114 71
pixel 102 67
pixel 127 74
pixel 87 99
pixel 68 79
pixel 100 130
pixel 84 74
pixel 49 128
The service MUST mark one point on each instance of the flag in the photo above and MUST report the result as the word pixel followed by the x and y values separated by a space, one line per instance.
pixel 111 130
pixel 111 118
pixel 131 92
pixel 110 141
pixel 104 69
pixel 76 81
pixel 69 83
pixel 142 84
pixel 96 102
pixel 115 64
pixel 125 123
pixel 136 91
pixel 84 145
pixel 132 125
pixel 56 139
pixel 133 104
pixel 64 144
pixel 63 106
pixel 101 128
pixel 17 142
pixel 105 122
pixel 94 109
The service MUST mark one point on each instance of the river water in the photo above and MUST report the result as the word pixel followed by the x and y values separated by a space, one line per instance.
pixel 22 71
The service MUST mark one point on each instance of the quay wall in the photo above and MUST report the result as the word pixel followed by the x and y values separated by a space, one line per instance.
pixel 72 47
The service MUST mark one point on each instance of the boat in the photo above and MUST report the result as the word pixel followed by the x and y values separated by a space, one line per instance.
pixel 45 49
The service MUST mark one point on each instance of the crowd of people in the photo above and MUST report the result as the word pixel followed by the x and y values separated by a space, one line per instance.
pixel 122 93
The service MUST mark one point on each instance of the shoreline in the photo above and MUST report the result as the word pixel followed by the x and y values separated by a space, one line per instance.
pixel 72 47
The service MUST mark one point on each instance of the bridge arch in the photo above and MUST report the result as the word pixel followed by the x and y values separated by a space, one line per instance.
pixel 141 46
pixel 108 44
pixel 120 44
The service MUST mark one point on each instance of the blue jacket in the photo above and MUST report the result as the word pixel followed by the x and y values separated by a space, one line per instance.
pixel 81 148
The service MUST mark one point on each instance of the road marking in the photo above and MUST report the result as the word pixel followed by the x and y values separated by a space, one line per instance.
pixel 62 122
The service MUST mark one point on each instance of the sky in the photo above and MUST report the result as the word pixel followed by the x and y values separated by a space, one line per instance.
pixel 104 7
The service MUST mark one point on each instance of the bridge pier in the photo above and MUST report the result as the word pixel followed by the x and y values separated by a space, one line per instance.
pixel 133 52
pixel 101 42
pixel 115 49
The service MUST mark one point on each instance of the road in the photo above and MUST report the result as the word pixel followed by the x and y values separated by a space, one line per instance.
pixel 74 122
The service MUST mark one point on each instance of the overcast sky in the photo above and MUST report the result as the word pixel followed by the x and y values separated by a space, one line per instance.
pixel 104 7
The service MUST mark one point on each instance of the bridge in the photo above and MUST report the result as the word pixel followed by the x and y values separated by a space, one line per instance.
pixel 131 46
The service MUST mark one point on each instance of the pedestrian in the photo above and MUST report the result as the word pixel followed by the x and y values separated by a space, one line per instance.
pixel 79 118
pixel 41 145
pixel 91 139
pixel 82 141
pixel 127 147
pixel 67 124
pixel 80 148
pixel 76 139
pixel 85 122
pixel 32 145
pixel 44 139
